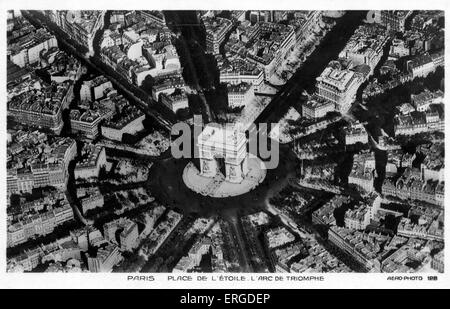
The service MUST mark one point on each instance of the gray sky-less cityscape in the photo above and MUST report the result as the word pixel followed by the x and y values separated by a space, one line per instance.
pixel 357 102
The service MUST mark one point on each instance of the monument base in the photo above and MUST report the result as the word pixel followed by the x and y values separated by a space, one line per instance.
pixel 218 187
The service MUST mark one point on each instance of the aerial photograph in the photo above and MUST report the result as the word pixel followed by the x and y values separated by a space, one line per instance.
pixel 225 141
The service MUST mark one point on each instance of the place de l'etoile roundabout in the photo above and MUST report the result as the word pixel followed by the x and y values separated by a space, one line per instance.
pixel 224 178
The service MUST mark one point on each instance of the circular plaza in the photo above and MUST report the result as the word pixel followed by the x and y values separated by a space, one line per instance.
pixel 218 186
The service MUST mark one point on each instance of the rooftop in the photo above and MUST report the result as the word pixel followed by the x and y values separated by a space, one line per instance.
pixel 30 40
pixel 46 100
pixel 337 77
pixel 238 88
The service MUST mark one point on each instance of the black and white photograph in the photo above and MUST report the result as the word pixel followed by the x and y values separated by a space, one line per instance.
pixel 235 145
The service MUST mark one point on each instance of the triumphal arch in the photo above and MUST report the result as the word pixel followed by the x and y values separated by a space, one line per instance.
pixel 223 149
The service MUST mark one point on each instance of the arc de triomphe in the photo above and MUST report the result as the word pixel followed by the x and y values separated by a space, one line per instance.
pixel 223 143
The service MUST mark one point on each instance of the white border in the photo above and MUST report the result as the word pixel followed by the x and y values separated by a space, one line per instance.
pixel 347 281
